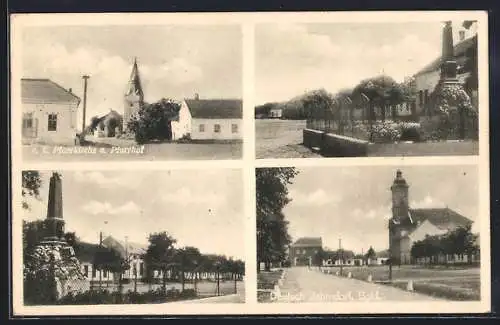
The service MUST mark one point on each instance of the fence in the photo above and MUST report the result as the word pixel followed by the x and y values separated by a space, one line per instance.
pixel 391 123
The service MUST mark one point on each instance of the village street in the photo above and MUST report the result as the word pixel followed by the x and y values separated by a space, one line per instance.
pixel 304 285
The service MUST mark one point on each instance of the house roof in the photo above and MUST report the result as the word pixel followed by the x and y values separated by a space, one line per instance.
pixel 215 108
pixel 443 218
pixel 458 50
pixel 46 90
pixel 85 252
pixel 308 242
pixel 132 248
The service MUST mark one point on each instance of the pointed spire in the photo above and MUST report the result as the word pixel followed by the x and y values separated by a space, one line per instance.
pixel 134 83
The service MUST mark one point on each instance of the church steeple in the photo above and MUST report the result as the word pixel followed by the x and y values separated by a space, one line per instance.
pixel 399 190
pixel 134 83
pixel 134 95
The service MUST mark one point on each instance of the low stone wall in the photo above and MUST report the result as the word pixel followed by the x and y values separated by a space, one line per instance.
pixel 334 145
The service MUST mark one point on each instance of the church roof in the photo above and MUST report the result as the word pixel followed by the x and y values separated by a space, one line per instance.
pixel 215 108
pixel 134 83
pixel 132 248
pixel 458 50
pixel 443 218
pixel 308 242
pixel 46 90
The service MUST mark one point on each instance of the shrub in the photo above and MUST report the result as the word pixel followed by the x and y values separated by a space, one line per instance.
pixel 410 132
pixel 385 132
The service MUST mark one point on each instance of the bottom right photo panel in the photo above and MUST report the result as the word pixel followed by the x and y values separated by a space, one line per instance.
pixel 368 233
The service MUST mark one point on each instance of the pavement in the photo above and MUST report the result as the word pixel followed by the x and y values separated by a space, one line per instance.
pixel 310 285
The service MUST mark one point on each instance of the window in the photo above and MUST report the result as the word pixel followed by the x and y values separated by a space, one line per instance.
pixel 94 271
pixel 426 96
pixel 86 270
pixel 105 274
pixel 421 98
pixel 297 251
pixel 234 128
pixel 52 122
pixel 202 127
pixel 141 269
pixel 28 121
pixel 217 128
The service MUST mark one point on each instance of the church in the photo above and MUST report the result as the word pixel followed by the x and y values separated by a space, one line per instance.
pixel 198 119
pixel 409 225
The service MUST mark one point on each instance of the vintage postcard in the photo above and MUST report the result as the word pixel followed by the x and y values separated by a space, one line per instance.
pixel 368 89
pixel 403 234
pixel 129 92
pixel 157 163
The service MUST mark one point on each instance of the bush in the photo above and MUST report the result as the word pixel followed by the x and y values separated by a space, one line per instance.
pixel 410 132
pixel 385 132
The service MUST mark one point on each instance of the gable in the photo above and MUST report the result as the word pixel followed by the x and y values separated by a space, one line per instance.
pixel 425 228
pixel 45 90
pixel 215 108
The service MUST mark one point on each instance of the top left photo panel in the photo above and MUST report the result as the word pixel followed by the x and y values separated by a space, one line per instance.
pixel 127 92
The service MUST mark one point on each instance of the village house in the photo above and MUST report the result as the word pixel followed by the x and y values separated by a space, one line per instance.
pixel 49 112
pixel 304 251
pixel 427 78
pixel 209 119
pixel 275 113
pixel 409 225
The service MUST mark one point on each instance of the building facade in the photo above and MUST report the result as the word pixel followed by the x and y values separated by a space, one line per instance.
pixel 409 225
pixel 304 252
pixel 209 119
pixel 49 112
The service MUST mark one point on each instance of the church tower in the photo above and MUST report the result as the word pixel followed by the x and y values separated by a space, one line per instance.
pixel 134 95
pixel 399 191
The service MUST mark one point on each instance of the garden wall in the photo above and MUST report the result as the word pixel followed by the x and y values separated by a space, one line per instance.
pixel 334 145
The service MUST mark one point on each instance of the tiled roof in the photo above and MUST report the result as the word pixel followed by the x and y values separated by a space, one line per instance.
pixel 458 50
pixel 308 242
pixel 443 218
pixel 45 90
pixel 215 108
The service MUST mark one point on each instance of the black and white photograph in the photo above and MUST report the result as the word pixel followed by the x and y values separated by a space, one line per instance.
pixel 93 237
pixel 367 89
pixel 131 92
pixel 368 234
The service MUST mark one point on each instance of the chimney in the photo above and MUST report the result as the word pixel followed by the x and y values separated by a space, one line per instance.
pixel 196 96
pixel 70 90
pixel 461 35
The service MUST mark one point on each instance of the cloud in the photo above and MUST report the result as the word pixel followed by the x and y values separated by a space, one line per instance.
pixel 427 202
pixel 95 208
pixel 186 197
pixel 294 56
pixel 109 73
pixel 316 198
pixel 104 181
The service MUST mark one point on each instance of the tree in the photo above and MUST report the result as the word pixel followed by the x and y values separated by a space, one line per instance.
pixel 31 183
pixel 160 255
pixel 318 104
pixel 381 91
pixel 272 228
pixel 153 121
pixel 370 255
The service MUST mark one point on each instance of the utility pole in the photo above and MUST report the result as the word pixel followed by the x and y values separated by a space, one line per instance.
pixel 100 270
pixel 85 78
pixel 341 255
pixel 126 256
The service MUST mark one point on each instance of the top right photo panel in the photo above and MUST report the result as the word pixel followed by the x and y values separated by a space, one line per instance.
pixel 367 89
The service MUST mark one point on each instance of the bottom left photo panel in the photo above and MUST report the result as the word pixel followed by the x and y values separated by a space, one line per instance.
pixel 132 237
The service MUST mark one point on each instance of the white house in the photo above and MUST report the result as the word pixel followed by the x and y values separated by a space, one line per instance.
pixel 276 113
pixel 209 119
pixel 49 112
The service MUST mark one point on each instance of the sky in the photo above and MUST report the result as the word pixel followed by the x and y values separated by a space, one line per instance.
pixel 199 208
pixel 354 203
pixel 174 61
pixel 292 59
